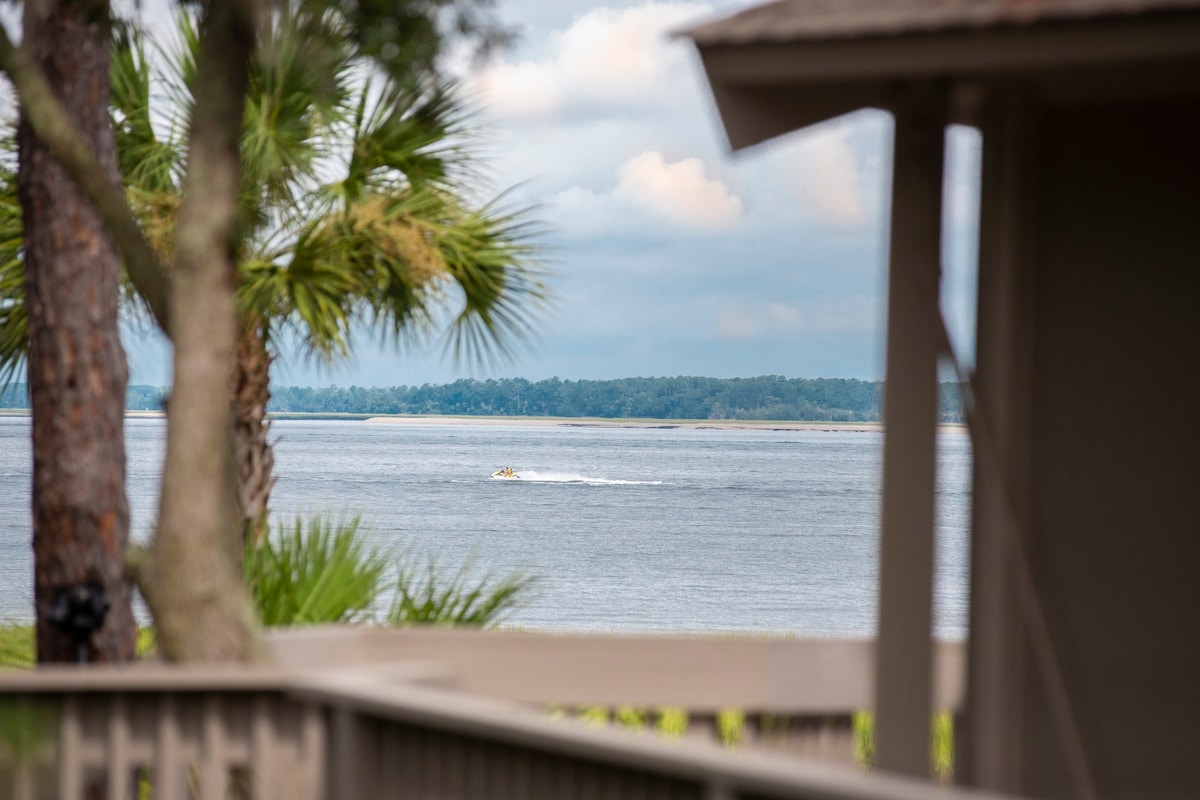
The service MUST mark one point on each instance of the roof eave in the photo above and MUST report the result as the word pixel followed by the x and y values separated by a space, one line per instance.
pixel 765 89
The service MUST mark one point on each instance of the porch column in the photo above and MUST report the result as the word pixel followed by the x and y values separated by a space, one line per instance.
pixel 904 657
pixel 987 747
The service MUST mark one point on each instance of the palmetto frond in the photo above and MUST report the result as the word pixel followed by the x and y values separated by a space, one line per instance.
pixel 403 261
pixel 14 340
pixel 493 257
pixel 407 136
pixel 392 240
pixel 148 161
pixel 357 197
pixel 296 98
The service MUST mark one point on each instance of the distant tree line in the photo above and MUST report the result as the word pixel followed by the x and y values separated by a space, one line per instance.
pixel 137 398
pixel 770 397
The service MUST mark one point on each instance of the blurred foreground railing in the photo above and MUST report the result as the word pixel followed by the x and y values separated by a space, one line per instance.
pixel 352 714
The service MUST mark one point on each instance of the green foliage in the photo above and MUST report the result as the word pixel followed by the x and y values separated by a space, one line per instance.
pixel 25 726
pixel 767 397
pixel 360 190
pixel 815 400
pixel 406 37
pixel 630 717
pixel 13 315
pixel 147 642
pixel 424 595
pixel 941 749
pixel 17 648
pixel 864 738
pixel 325 573
pixel 594 715
pixel 672 722
pixel 731 727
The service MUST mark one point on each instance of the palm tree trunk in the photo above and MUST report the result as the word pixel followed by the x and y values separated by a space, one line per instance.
pixel 77 369
pixel 253 453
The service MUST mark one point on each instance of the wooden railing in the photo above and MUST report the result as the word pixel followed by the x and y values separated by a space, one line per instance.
pixel 793 694
pixel 99 733
pixel 434 715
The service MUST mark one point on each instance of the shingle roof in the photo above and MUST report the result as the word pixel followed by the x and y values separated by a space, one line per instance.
pixel 801 20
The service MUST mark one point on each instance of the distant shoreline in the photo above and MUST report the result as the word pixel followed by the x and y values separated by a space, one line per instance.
pixel 569 422
pixel 660 424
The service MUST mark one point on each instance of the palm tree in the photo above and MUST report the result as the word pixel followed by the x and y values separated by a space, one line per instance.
pixel 358 212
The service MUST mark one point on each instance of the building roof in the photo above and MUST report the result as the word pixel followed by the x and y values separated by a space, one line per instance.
pixel 812 20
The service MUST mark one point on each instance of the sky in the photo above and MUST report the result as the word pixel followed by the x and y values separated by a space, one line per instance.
pixel 669 254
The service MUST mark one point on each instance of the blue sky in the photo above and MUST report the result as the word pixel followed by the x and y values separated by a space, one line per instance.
pixel 670 255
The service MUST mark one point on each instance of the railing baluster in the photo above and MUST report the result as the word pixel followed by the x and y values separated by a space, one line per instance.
pixel 264 749
pixel 391 773
pixel 702 727
pixel 120 767
pixel 312 751
pixel 477 768
pixel 519 772
pixel 716 790
pixel 632 786
pixel 214 770
pixel 455 767
pixel 167 765
pixel 23 774
pixel 70 763
pixel 346 771
pixel 433 764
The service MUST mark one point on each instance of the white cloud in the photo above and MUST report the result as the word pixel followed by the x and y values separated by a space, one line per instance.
pixel 524 89
pixel 961 183
pixel 828 178
pixel 781 316
pixel 649 190
pixel 607 58
pixel 831 170
pixel 680 190
pixel 738 322
pixel 744 319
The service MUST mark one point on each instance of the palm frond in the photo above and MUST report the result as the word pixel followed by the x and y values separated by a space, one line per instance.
pixel 425 594
pixel 407 136
pixel 146 161
pixel 297 91
pixel 178 74
pixel 396 244
pixel 14 331
pixel 311 291
pixel 493 259
pixel 320 572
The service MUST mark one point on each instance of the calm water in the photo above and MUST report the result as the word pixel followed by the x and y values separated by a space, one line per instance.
pixel 626 529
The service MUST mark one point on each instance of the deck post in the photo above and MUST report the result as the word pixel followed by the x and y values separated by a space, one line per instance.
pixel 987 751
pixel 904 654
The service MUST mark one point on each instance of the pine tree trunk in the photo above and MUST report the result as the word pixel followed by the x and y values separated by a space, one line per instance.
pixel 253 453
pixel 77 369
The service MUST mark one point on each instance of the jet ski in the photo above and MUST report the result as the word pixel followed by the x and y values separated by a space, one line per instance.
pixel 507 472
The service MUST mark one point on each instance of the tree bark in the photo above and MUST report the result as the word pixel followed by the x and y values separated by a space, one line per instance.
pixel 44 112
pixel 201 608
pixel 254 453
pixel 77 371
